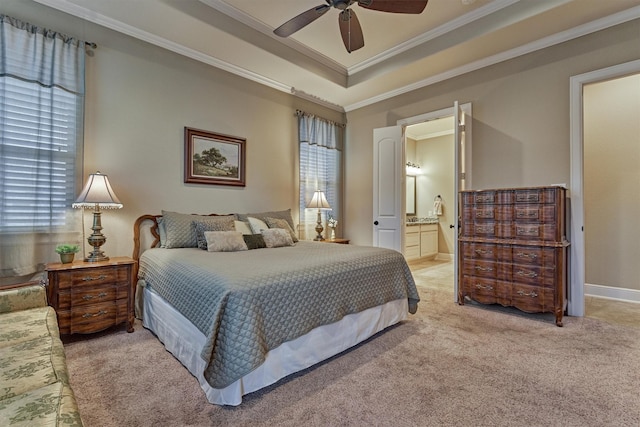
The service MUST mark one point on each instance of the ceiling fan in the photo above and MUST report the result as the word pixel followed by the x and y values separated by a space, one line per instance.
pixel 350 28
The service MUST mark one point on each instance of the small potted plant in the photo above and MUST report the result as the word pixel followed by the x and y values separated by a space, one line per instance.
pixel 67 252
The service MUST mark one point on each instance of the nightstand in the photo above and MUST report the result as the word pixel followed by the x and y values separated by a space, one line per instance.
pixel 341 241
pixel 91 296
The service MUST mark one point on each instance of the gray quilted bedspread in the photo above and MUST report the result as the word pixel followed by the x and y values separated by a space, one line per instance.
pixel 249 302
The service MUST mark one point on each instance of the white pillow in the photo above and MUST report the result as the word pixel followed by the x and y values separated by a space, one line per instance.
pixel 257 225
pixel 225 241
pixel 243 227
pixel 276 238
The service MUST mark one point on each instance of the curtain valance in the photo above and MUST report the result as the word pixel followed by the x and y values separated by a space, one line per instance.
pixel 42 56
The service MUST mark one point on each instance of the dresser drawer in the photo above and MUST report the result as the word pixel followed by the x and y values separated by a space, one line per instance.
pixel 534 232
pixel 92 317
pixel 532 299
pixel 541 195
pixel 533 275
pixel 487 291
pixel 482 268
pixel 486 251
pixel 488 197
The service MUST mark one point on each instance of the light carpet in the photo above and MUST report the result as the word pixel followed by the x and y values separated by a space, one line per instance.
pixel 448 365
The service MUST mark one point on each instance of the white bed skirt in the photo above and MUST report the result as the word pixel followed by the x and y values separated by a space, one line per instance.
pixel 184 341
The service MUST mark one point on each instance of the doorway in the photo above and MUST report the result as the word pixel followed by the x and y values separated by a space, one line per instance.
pixel 430 169
pixel 578 231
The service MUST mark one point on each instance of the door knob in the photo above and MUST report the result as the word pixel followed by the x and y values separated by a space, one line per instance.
pixel 375 222
pixel 452 226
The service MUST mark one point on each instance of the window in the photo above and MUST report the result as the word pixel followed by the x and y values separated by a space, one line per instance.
pixel 320 169
pixel 41 123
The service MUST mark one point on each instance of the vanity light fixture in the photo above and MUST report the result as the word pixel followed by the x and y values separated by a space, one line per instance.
pixel 413 169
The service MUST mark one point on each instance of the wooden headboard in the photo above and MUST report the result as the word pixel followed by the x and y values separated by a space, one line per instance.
pixel 143 235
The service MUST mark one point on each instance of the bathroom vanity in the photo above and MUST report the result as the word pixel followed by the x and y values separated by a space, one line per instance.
pixel 421 239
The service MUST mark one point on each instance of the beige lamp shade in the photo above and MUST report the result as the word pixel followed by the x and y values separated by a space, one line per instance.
pixel 97 191
pixel 318 201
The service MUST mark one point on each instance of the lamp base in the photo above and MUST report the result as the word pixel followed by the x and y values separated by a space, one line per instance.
pixel 319 228
pixel 96 240
pixel 96 257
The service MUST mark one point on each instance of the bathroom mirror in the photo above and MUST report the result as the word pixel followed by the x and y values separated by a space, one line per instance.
pixel 410 204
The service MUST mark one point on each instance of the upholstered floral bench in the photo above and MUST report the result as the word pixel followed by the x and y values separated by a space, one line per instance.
pixel 34 383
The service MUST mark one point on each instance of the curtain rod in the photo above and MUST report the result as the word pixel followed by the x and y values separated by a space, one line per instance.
pixel 303 113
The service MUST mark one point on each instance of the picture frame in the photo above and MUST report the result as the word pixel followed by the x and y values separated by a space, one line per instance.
pixel 214 158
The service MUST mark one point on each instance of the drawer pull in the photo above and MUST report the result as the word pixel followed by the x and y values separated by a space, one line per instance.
pixel 485 214
pixel 484 229
pixel 522 231
pixel 483 252
pixel 480 268
pixel 528 214
pixel 528 197
pixel 527 255
pixel 90 278
pixel 90 297
pixel 100 313
pixel 530 294
pixel 526 274
pixel 487 287
pixel 489 198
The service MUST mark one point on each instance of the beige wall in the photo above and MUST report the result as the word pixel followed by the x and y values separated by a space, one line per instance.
pixel 139 98
pixel 612 182
pixel 520 118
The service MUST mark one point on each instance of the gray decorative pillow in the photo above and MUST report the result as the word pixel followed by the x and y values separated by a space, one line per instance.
pixel 179 229
pixel 276 238
pixel 225 241
pixel 162 232
pixel 214 223
pixel 254 241
pixel 281 223
pixel 286 215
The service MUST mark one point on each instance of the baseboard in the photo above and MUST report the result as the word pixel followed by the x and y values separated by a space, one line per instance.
pixel 444 256
pixel 610 292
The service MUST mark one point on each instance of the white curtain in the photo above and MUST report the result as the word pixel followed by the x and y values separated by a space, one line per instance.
pixel 41 133
pixel 320 169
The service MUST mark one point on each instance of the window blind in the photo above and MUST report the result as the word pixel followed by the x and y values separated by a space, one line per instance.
pixel 38 134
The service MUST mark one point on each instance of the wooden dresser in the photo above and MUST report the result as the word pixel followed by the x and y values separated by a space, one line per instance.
pixel 513 249
pixel 92 296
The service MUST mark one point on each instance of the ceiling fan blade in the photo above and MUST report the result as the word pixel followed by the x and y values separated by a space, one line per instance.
pixel 395 6
pixel 350 30
pixel 298 22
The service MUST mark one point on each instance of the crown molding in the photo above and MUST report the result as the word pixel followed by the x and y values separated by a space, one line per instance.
pixel 316 100
pixel 561 37
pixel 431 34
pixel 257 25
pixel 97 18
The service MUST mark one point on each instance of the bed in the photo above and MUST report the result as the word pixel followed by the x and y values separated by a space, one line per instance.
pixel 241 320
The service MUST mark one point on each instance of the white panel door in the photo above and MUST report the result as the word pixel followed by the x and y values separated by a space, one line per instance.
pixel 388 187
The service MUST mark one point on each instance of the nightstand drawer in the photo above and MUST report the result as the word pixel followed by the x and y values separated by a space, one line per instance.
pixel 93 317
pixel 93 276
pixel 84 295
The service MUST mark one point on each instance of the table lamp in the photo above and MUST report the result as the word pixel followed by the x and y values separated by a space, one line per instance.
pixel 319 201
pixel 97 194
